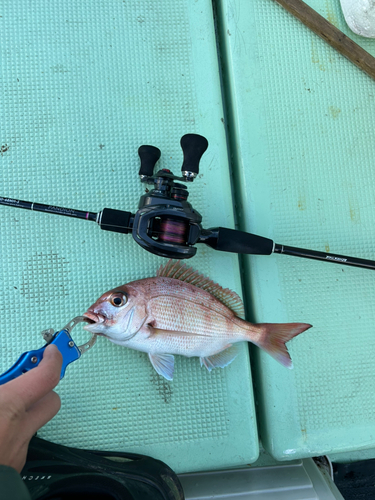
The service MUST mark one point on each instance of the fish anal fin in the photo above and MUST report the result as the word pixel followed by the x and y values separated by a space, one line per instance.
pixel 220 359
pixel 180 271
pixel 163 364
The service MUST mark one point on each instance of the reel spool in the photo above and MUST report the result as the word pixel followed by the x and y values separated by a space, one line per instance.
pixel 173 231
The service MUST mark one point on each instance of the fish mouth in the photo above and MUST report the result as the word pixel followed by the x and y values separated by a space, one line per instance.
pixel 95 320
pixel 95 317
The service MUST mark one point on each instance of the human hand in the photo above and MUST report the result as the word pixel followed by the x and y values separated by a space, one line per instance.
pixel 26 404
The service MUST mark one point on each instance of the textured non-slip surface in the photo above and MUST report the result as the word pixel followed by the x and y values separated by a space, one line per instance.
pixel 83 86
pixel 301 118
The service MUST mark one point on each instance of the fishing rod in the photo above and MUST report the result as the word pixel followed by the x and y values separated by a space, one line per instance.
pixel 166 224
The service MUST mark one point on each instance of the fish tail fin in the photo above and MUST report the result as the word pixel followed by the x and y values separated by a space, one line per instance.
pixel 274 336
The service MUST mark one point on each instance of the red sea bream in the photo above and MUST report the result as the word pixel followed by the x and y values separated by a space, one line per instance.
pixel 182 312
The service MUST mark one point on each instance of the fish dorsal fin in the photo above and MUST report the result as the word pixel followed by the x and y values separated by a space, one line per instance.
pixel 180 271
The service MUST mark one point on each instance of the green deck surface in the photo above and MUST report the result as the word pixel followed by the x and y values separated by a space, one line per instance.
pixel 84 85
pixel 301 119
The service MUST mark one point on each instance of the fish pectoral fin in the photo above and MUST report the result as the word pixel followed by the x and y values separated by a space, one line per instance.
pixel 163 364
pixel 221 359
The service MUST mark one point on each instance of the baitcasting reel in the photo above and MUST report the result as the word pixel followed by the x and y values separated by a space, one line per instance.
pixel 166 224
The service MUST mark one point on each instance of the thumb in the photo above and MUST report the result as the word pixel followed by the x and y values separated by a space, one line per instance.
pixel 52 354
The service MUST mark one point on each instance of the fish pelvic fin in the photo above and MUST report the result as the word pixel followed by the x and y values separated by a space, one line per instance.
pixel 274 337
pixel 163 364
pixel 221 359
pixel 180 271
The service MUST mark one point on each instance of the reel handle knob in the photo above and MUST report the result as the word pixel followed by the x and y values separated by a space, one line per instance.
pixel 193 147
pixel 149 155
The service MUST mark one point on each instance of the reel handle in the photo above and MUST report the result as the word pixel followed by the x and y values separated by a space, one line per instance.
pixel 193 147
pixel 149 155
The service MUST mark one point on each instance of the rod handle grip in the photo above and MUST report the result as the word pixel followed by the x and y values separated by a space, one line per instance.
pixel 232 240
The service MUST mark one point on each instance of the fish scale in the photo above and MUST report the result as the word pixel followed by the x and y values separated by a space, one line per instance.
pixel 174 314
pixel 189 292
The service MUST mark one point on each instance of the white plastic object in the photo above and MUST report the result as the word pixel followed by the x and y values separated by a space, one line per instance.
pixel 360 16
pixel 296 480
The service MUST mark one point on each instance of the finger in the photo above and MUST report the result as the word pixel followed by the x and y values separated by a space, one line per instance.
pixel 42 412
pixel 39 381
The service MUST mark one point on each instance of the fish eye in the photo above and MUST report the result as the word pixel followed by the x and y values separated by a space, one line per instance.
pixel 118 299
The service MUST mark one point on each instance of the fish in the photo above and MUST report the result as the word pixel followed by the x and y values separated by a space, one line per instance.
pixel 182 312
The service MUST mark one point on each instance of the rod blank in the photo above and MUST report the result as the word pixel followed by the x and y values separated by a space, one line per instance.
pixel 51 209
pixel 327 257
